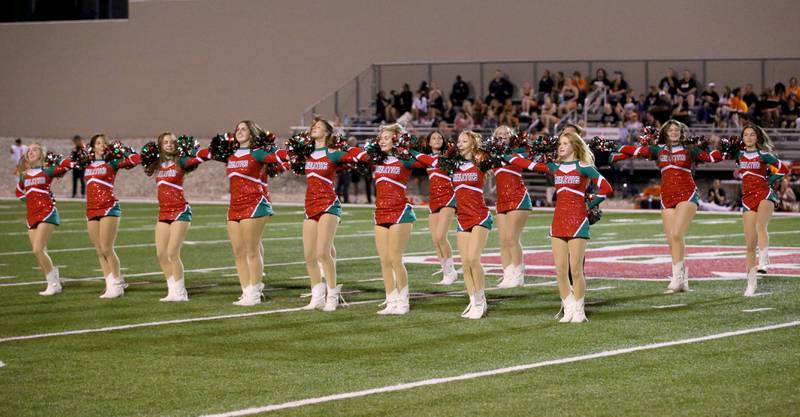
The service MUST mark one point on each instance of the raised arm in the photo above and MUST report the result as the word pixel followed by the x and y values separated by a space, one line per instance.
pixel 520 162
pixel 779 168
pixel 425 160
pixel 705 156
pixel 275 157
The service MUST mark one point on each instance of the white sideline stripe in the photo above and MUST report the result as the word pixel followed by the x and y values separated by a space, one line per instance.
pixel 369 280
pixel 8 277
pixel 166 322
pixel 494 372
pixel 670 306
pixel 599 288
pixel 416 296
pixel 756 310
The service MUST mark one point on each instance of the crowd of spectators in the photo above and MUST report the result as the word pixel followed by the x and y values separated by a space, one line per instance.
pixel 540 109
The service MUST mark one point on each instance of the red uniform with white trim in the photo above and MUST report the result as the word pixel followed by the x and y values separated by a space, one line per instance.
pixel 677 183
pixel 34 188
pixel 754 167
pixel 169 180
pixel 320 170
pixel 511 191
pixel 249 193
pixel 100 177
pixel 440 186
pixel 471 208
pixel 571 179
pixel 391 181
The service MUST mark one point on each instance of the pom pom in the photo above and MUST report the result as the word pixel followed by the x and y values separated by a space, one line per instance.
pixel 117 151
pixel 450 159
pixel 264 141
pixel 698 141
pixel 273 169
pixel 149 153
pixel 543 148
pixel 594 214
pixel 82 157
pixel 520 140
pixel 492 153
pixel 339 143
pixel 186 146
pixel 602 149
pixel 53 159
pixel 299 147
pixel 374 153
pixel 730 146
pixel 222 147
pixel 649 136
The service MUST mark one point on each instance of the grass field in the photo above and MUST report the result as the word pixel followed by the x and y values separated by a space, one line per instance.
pixel 137 357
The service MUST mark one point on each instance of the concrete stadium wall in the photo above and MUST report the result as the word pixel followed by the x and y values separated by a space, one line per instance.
pixel 198 66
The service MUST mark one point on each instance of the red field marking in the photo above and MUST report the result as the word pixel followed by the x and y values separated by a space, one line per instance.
pixel 648 262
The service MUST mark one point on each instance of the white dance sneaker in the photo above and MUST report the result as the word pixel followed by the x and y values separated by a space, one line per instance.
pixel 578 313
pixel 401 305
pixel 115 287
pixel 332 298
pixel 318 293
pixel 176 291
pixel 390 303
pixel 752 282
pixel 479 306
pixel 568 307
pixel 53 283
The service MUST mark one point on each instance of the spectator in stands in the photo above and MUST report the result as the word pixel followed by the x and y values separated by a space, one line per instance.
pixel 560 81
pixel 709 102
pixel 687 88
pixel 423 88
pixel 549 114
pixel 479 110
pixel 650 198
pixel 716 199
pixel 630 105
pixel 738 108
pixel 651 98
pixel 609 118
pixel 787 201
pixel 749 96
pixel 449 113
pixel 405 100
pixel 546 85
pixel 435 101
pixel 789 113
pixel 382 105
pixel 536 126
pixel 669 83
pixel 600 80
pixel 508 115
pixel 793 90
pixel 463 121
pixel 581 83
pixel 500 88
pixel 419 106
pixel 680 110
pixel 618 89
pixel 662 109
pixel 768 108
pixel 633 123
pixel 77 174
pixel 527 99
pixel 460 92
pixel 568 99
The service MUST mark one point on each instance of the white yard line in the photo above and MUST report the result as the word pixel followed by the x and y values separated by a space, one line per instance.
pixel 494 372
pixel 756 310
pixel 671 306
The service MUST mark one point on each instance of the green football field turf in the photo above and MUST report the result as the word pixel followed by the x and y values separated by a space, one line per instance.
pixel 155 364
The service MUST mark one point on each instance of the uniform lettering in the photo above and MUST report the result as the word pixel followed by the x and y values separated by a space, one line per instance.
pixel 167 173
pixel 316 166
pixel 676 157
pixel 465 177
pixel 567 179
pixel 749 165
pixel 95 171
pixel 387 169
pixel 238 164
pixel 35 181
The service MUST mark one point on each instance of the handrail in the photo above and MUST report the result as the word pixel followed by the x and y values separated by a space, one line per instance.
pixel 591 99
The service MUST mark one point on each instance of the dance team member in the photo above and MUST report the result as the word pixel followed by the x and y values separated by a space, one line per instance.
pixel 174 212
pixel 758 199
pixel 103 210
pixel 679 198
pixel 442 206
pixel 249 207
pixel 394 217
pixel 35 177
pixel 473 217
pixel 573 170
pixel 513 207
